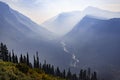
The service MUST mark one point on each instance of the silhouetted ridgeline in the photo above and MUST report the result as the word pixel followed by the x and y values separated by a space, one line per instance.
pixel 23 67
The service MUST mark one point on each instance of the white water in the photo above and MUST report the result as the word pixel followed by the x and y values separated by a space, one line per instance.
pixel 74 59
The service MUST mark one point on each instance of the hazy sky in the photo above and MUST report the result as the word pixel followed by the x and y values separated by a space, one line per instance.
pixel 41 10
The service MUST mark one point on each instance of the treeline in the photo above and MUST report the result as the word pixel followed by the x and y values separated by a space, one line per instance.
pixel 5 55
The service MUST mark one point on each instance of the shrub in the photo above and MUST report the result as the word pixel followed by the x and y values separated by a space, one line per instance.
pixel 22 67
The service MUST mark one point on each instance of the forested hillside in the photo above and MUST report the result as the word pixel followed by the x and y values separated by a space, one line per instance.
pixel 14 68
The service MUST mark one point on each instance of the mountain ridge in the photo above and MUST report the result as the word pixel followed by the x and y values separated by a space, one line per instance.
pixel 23 35
pixel 64 22
pixel 60 21
pixel 97 44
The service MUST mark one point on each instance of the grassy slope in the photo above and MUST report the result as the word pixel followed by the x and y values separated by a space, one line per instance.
pixel 8 71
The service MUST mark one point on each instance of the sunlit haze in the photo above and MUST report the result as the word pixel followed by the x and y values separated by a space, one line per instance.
pixel 41 10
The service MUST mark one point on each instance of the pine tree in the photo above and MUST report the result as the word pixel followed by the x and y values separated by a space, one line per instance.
pixel 1 51
pixel 64 74
pixel 58 73
pixel 74 77
pixel 34 62
pixel 13 56
pixel 49 69
pixel 25 60
pixel 37 61
pixel 84 75
pixel 21 59
pixel 40 66
pixel 9 57
pixel 89 74
pixel 52 70
pixel 81 74
pixel 16 59
pixel 94 76
pixel 4 52
pixel 69 74
pixel 44 66
pixel 28 59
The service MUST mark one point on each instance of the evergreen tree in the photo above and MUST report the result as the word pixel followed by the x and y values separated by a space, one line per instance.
pixel 74 77
pixel 69 74
pixel 89 74
pixel 4 52
pixel 28 59
pixel 34 62
pixel 81 74
pixel 44 66
pixel 84 75
pixel 58 73
pixel 0 48
pixel 9 57
pixel 64 74
pixel 16 59
pixel 25 60
pixel 1 51
pixel 52 70
pixel 49 69
pixel 40 66
pixel 21 59
pixel 37 61
pixel 5 58
pixel 94 76
pixel 13 56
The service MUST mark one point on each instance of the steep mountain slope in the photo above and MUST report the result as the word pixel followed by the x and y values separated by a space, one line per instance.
pixel 13 19
pixel 62 23
pixel 22 35
pixel 96 43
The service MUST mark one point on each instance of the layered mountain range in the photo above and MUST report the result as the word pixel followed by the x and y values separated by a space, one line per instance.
pixel 88 38
pixel 23 35
pixel 62 23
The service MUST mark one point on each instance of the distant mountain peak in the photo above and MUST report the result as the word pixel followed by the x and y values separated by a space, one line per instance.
pixel 63 22
pixel 100 13
pixel 72 13
pixel 91 9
